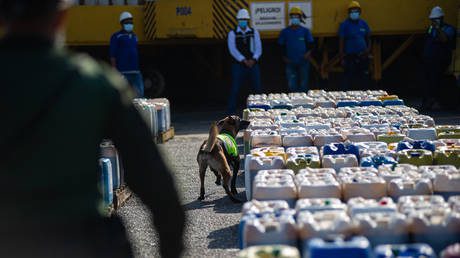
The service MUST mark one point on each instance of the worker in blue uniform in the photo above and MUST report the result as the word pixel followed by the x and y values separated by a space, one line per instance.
pixel 355 48
pixel 437 55
pixel 245 47
pixel 297 43
pixel 124 55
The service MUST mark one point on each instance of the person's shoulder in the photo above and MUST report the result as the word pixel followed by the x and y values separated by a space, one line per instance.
pixel 305 29
pixel 100 77
pixel 345 22
pixel 363 22
pixel 116 34
pixel 450 28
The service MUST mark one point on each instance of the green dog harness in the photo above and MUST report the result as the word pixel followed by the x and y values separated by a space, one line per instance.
pixel 230 144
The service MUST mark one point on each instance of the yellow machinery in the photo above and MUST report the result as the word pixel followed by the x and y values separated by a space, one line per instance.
pixel 189 21
pixel 211 19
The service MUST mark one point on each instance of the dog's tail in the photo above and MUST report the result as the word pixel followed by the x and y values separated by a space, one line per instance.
pixel 212 139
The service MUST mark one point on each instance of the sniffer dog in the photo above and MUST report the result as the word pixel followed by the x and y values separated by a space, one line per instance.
pixel 219 153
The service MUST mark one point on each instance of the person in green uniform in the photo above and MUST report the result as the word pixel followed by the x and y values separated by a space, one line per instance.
pixel 56 108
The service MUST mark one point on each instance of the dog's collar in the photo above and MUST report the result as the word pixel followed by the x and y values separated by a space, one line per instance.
pixel 223 131
pixel 230 144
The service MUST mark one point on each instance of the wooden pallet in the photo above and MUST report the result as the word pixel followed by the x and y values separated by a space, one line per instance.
pixel 166 136
pixel 121 196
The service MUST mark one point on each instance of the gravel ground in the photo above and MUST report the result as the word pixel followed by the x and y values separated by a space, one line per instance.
pixel 212 225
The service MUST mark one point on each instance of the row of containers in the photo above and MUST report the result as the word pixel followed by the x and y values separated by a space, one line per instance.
pixel 157 115
pixel 348 174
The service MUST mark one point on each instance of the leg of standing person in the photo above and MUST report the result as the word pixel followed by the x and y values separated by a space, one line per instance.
pixel 137 82
pixel 304 71
pixel 237 75
pixel 440 82
pixel 255 79
pixel 140 85
pixel 133 81
pixel 292 77
pixel 363 82
pixel 430 83
pixel 348 74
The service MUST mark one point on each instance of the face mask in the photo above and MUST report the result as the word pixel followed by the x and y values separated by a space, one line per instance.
pixel 243 23
pixel 128 27
pixel 354 15
pixel 437 21
pixel 295 21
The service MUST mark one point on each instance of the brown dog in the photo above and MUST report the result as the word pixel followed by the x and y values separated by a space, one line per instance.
pixel 220 153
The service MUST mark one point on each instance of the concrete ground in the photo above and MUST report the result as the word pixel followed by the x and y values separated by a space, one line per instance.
pixel 212 225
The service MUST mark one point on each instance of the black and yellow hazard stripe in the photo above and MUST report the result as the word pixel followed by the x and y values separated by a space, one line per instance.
pixel 224 16
pixel 150 20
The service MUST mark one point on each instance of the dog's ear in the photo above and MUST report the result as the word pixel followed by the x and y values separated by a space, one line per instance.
pixel 220 123
pixel 243 124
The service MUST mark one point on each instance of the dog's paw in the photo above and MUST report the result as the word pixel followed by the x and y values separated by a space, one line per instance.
pixel 201 198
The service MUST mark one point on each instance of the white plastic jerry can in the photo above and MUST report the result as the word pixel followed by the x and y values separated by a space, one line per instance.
pixel 319 204
pixel 271 230
pixel 410 185
pixel 265 138
pixel 447 183
pixel 383 228
pixel 360 205
pixel 422 134
pixel 358 135
pixel 366 185
pixel 318 186
pixel 418 203
pixel 280 186
pixel 392 171
pixel 339 161
pixel 253 164
pixel 322 224
pixel 297 140
pixel 438 228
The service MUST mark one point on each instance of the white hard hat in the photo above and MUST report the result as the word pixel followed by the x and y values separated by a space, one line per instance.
pixel 436 12
pixel 125 15
pixel 243 14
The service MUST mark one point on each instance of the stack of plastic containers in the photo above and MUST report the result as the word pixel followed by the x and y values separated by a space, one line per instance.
pixel 156 113
pixel 351 163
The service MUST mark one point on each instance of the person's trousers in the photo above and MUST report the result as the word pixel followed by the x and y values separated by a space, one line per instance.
pixel 241 74
pixel 136 81
pixel 434 70
pixel 298 76
pixel 356 73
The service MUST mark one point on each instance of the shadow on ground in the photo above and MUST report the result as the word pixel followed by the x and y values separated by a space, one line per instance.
pixel 224 238
pixel 221 205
